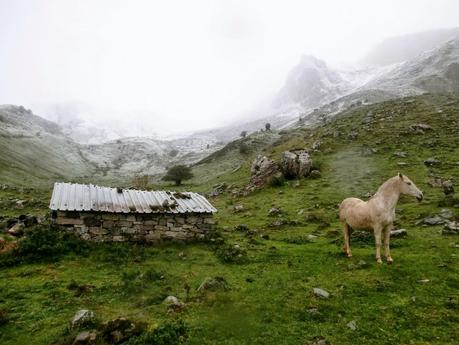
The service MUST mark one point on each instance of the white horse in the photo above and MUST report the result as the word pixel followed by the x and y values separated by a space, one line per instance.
pixel 377 214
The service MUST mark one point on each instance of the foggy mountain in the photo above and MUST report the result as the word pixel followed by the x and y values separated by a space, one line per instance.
pixel 402 48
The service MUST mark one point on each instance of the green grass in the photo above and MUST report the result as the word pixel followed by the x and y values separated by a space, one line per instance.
pixel 270 299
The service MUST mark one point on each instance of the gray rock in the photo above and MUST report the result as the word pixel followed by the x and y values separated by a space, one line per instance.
pixel 81 317
pixel 315 174
pixel 296 164
pixel 320 342
pixel 435 220
pixel 213 284
pixel 420 127
pixel 398 233
pixel 261 172
pixel 174 303
pixel 446 213
pixel 316 145
pixel 400 154
pixel 352 325
pixel 17 229
pixel 274 211
pixel 321 293
pixel 450 228
pixel 430 162
pixel 85 338
pixel 238 208
pixel 448 187
pixel 19 204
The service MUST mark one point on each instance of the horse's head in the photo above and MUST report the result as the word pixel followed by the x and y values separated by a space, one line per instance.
pixel 408 187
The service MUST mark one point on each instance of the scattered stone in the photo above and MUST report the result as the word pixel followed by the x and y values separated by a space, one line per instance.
pixel 85 338
pixel 316 145
pixel 213 284
pixel 352 325
pixel 173 303
pixel 296 164
pixel 402 164
pixel 448 187
pixel 218 189
pixel 320 342
pixel 420 128
pixel 121 329
pixel 430 162
pixel 446 213
pixel 315 174
pixel 435 182
pixel 17 229
pixel 274 211
pixel 321 293
pixel 82 317
pixel 19 204
pixel 238 208
pixel 423 281
pixel 311 237
pixel 450 228
pixel 264 236
pixel 435 220
pixel 400 154
pixel 399 233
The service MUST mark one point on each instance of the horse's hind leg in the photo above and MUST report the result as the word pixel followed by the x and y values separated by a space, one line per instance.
pixel 347 246
pixel 377 232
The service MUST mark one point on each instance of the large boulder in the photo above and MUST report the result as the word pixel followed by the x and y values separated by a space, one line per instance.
pixel 296 164
pixel 262 170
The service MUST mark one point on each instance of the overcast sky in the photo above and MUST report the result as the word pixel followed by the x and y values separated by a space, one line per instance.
pixel 185 65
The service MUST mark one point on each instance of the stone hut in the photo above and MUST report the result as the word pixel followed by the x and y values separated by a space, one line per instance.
pixel 114 214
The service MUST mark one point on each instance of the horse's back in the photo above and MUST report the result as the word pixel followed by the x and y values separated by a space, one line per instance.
pixel 347 205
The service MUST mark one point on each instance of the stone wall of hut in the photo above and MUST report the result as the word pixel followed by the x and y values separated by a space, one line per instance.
pixel 139 227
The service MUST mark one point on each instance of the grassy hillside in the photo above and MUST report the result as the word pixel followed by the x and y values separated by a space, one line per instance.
pixel 270 297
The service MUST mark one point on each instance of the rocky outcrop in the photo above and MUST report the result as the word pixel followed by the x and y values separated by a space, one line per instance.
pixel 262 170
pixel 296 164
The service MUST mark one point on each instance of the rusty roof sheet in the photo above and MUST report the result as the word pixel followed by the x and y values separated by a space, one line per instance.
pixel 81 197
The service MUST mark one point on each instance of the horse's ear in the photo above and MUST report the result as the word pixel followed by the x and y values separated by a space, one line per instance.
pixel 400 175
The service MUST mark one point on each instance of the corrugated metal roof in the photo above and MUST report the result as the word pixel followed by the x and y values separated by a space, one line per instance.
pixel 80 197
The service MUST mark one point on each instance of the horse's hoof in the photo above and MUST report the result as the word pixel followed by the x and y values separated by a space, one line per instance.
pixel 349 255
pixel 379 261
pixel 390 261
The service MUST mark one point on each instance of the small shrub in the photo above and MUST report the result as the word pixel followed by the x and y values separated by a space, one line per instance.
pixel 43 243
pixel 277 180
pixel 243 148
pixel 167 334
pixel 140 182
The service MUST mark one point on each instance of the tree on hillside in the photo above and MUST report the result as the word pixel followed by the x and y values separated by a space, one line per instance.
pixel 268 126
pixel 243 134
pixel 178 173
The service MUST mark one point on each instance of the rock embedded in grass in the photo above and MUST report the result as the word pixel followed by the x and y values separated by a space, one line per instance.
pixel 82 317
pixel 321 293
pixel 352 325
pixel 430 162
pixel 398 233
pixel 435 220
pixel 274 211
pixel 173 303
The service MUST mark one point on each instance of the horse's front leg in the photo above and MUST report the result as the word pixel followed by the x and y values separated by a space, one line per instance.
pixel 387 231
pixel 377 232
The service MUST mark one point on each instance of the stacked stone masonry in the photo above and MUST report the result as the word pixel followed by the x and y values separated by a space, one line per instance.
pixel 138 227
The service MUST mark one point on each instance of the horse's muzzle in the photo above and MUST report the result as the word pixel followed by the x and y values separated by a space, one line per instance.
pixel 420 197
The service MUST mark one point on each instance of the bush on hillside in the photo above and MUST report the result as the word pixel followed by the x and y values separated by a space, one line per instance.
pixel 43 242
